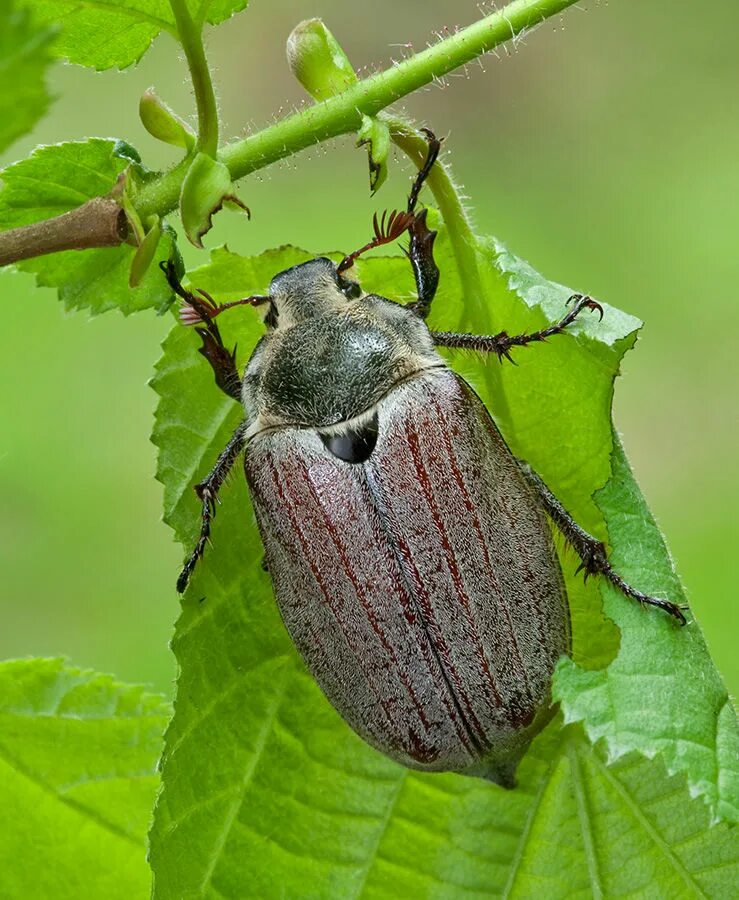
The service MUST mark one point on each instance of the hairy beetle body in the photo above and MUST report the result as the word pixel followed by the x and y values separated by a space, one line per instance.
pixel 421 585
pixel 410 559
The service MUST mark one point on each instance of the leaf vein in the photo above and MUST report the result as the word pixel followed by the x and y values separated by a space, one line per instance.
pixel 79 808
pixel 583 814
pixel 249 771
pixel 647 826
pixel 115 8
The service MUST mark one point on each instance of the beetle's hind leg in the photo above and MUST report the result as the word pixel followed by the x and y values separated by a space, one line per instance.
pixel 502 343
pixel 207 490
pixel 222 360
pixel 592 553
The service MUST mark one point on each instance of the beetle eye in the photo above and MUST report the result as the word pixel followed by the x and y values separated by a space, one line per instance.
pixel 350 289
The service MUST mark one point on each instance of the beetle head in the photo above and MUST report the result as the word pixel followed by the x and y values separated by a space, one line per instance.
pixel 319 286
pixel 302 292
pixel 309 289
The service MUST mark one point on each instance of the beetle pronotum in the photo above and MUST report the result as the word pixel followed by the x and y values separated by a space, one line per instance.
pixel 410 552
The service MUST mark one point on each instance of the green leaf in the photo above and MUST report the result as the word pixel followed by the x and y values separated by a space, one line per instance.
pixel 127 27
pixel 60 177
pixel 664 696
pixel 56 178
pixel 24 57
pixel 624 829
pixel 98 280
pixel 663 692
pixel 78 778
pixel 264 785
pixel 215 11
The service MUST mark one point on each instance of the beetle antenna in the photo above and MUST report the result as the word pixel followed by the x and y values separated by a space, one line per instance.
pixel 190 314
pixel 387 229
pixel 390 226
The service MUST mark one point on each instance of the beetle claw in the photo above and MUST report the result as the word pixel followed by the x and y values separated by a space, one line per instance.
pixel 594 305
pixel 505 353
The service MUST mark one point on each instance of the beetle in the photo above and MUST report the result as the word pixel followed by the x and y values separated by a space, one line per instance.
pixel 411 554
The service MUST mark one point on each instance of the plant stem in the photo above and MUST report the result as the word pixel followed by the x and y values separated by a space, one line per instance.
pixel 343 113
pixel 98 223
pixel 463 240
pixel 191 38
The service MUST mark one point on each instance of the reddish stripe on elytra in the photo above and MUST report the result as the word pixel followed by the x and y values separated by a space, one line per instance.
pixel 287 505
pixel 364 600
pixel 425 482
pixel 470 741
pixel 470 507
pixel 529 578
pixel 496 437
pixel 412 614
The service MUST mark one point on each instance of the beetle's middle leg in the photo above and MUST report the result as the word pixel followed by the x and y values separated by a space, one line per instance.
pixel 207 490
pixel 592 552
pixel 501 343
pixel 222 360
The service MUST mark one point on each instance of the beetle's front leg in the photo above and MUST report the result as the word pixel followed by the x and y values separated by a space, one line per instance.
pixel 222 360
pixel 592 552
pixel 421 246
pixel 207 490
pixel 501 343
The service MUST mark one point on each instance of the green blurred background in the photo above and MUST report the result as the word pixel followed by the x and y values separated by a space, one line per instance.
pixel 605 150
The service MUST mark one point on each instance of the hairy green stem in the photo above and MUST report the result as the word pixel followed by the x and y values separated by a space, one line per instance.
pixel 462 239
pixel 342 114
pixel 191 38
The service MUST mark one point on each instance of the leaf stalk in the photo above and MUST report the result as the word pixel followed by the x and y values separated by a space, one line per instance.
pixel 190 34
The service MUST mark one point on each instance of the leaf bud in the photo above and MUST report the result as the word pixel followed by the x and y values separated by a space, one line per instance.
pixel 145 252
pixel 162 123
pixel 317 60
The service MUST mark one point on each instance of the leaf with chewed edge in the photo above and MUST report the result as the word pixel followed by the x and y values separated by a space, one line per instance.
pixel 265 786
pixel 662 693
pixel 661 696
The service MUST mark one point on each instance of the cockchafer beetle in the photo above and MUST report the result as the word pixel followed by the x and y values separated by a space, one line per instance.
pixel 410 552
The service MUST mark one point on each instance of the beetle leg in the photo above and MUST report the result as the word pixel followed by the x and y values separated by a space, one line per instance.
pixel 425 270
pixel 423 173
pixel 421 247
pixel 592 552
pixel 222 360
pixel 208 492
pixel 223 363
pixel 501 343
